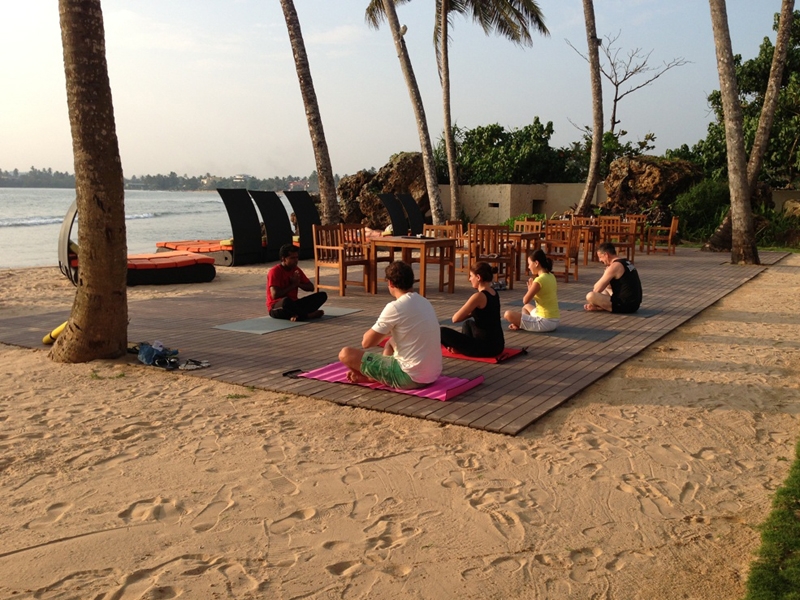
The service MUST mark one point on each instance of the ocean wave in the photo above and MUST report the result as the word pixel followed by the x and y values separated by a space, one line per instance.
pixel 29 221
pixel 36 221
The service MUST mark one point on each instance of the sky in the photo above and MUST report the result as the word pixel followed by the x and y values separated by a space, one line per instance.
pixel 209 86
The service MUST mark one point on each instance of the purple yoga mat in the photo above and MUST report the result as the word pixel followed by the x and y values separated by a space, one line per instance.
pixel 444 388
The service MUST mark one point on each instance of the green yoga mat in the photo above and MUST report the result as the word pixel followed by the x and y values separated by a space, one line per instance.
pixel 262 325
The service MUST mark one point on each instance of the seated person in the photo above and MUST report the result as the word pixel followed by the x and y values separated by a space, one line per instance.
pixel 412 356
pixel 619 290
pixel 283 281
pixel 482 335
pixel 543 314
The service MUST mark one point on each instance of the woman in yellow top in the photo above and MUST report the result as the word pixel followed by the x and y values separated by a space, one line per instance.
pixel 540 311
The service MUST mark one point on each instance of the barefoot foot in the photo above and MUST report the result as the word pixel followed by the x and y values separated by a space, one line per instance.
pixel 356 377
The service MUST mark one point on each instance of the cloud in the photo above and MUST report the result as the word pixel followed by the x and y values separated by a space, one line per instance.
pixel 344 35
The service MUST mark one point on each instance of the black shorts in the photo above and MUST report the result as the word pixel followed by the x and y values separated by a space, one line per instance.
pixel 618 306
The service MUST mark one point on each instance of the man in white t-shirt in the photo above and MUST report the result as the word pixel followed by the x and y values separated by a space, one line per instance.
pixel 412 356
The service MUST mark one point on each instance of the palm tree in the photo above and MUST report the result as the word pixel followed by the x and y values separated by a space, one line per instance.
pixel 722 236
pixel 593 43
pixel 374 18
pixel 510 18
pixel 743 240
pixel 327 188
pixel 98 324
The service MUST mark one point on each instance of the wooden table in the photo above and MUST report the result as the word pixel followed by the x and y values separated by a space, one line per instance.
pixel 528 239
pixel 441 251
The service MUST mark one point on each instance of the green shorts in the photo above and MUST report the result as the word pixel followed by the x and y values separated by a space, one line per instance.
pixel 386 370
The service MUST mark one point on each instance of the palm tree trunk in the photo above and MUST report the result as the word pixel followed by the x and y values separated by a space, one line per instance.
pixel 431 181
pixel 327 188
pixel 743 246
pixel 449 141
pixel 771 97
pixel 98 324
pixel 721 239
pixel 597 110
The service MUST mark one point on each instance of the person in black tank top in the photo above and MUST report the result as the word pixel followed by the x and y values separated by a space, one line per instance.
pixel 482 334
pixel 619 290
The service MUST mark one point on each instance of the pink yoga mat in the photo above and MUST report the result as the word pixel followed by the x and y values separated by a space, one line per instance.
pixel 442 389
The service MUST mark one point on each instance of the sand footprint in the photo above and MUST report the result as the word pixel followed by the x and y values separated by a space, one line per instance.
pixel 240 582
pixel 362 508
pixel 352 475
pixel 206 448
pixel 153 509
pixel 281 484
pixel 286 524
pixel 53 513
pixel 649 497
pixel 688 492
pixel 456 479
pixel 275 453
pixel 208 518
pixel 343 569
pixel 584 563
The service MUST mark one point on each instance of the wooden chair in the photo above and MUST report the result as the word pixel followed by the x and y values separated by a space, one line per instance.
pixel 602 220
pixel 491 244
pixel 528 226
pixel 588 236
pixel 641 224
pixel 462 244
pixel 340 247
pixel 562 243
pixel 434 257
pixel 623 236
pixel 662 239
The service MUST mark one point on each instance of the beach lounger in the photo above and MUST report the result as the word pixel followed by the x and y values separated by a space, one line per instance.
pixel 276 222
pixel 397 216
pixel 247 247
pixel 307 216
pixel 416 220
pixel 143 269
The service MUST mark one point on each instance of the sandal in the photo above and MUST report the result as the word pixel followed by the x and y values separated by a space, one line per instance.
pixel 192 364
pixel 165 362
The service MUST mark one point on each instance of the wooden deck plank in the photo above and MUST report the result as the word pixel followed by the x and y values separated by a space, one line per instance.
pixel 513 395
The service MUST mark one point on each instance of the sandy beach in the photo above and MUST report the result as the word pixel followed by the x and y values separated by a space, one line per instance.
pixel 124 481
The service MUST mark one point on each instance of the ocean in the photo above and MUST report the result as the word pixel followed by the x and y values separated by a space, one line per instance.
pixel 30 221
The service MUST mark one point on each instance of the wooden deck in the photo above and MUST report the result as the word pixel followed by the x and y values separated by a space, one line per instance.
pixel 514 394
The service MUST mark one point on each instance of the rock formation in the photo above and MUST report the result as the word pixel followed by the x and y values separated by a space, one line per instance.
pixel 359 193
pixel 647 185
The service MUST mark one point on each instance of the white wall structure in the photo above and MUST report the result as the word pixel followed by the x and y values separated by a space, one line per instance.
pixel 492 204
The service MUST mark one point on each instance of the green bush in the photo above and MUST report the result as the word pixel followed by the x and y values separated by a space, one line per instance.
pixel 775 574
pixel 535 216
pixel 701 209
pixel 776 229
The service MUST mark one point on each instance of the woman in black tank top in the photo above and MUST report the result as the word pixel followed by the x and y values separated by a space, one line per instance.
pixel 482 334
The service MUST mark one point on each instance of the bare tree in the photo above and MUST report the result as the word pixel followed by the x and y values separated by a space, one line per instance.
pixel 743 240
pixel 327 187
pixel 431 181
pixel 593 43
pixel 620 70
pixel 98 324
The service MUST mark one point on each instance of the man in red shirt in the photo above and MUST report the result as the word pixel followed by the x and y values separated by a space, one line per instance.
pixel 283 281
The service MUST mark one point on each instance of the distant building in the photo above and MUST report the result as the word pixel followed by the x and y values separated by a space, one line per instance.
pixel 298 185
pixel 242 178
